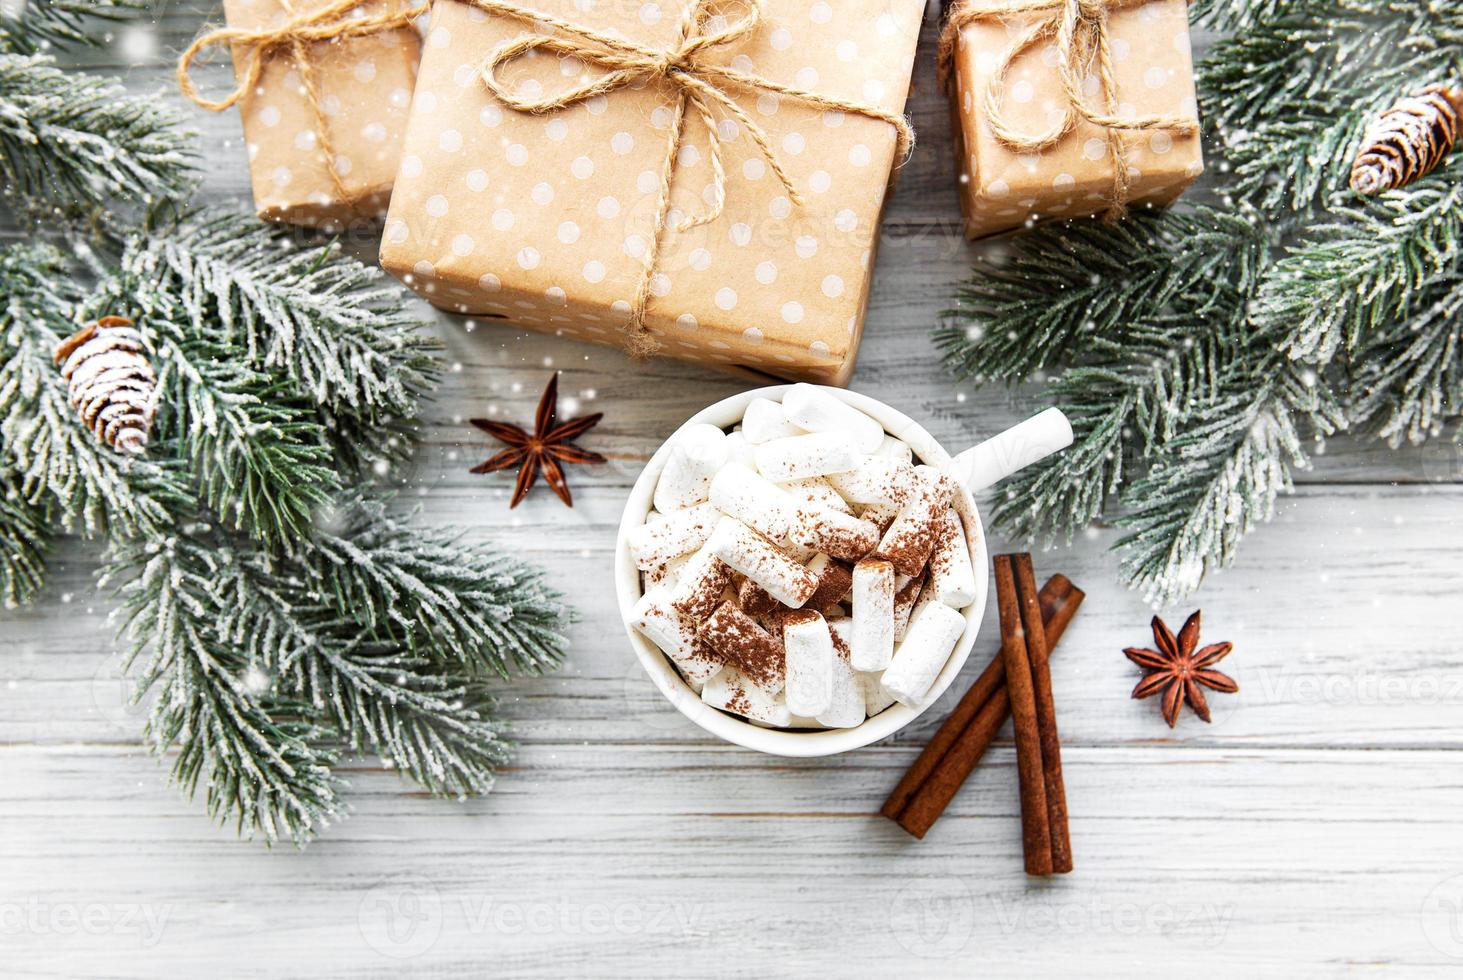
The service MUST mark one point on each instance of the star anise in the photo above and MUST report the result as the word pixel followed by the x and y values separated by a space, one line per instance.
pixel 1178 670
pixel 544 449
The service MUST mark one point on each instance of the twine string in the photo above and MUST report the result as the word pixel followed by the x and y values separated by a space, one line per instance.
pixel 1079 32
pixel 295 34
pixel 699 86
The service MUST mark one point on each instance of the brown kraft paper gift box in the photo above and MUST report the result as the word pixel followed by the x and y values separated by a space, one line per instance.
pixel 544 218
pixel 1005 186
pixel 364 83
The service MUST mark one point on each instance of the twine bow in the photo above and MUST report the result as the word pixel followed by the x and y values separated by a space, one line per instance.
pixel 1079 31
pixel 295 34
pixel 698 85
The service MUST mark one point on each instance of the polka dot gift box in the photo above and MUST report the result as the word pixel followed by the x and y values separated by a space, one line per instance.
pixel 323 136
pixel 1069 108
pixel 681 178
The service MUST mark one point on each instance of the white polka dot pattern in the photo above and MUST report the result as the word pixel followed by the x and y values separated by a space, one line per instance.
pixel 558 208
pixel 365 85
pixel 1001 189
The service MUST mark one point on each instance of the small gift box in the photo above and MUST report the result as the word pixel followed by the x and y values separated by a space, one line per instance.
pixel 324 91
pixel 692 178
pixel 1069 108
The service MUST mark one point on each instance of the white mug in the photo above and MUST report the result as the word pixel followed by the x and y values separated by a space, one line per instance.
pixel 973 470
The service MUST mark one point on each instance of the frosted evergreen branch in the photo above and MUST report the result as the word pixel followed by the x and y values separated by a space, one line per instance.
pixel 1407 379
pixel 72 143
pixel 1219 478
pixel 25 538
pixel 419 587
pixel 324 320
pixel 57 461
pixel 1290 96
pixel 429 722
pixel 1362 271
pixel 257 455
pixel 1069 289
pixel 263 764
pixel 434 727
pixel 42 24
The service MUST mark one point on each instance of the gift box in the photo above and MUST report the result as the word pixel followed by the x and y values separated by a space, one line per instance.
pixel 1142 117
pixel 577 218
pixel 323 137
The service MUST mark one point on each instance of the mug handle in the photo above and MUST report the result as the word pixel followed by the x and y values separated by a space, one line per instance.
pixel 988 463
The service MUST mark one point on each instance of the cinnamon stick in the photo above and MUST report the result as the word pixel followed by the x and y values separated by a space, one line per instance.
pixel 1058 607
pixel 1036 842
pixel 952 754
pixel 1046 715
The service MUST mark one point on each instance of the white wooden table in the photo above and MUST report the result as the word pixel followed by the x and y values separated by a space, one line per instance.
pixel 1311 829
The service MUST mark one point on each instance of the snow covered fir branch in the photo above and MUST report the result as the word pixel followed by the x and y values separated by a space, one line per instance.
pixel 1200 351
pixel 73 144
pixel 280 610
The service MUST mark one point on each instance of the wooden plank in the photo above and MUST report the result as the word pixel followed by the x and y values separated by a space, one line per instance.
pixel 660 862
pixel 1332 610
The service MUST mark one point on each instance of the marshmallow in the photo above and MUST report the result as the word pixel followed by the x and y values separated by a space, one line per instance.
pixel 810 659
pixel 872 644
pixel 666 573
pixel 739 450
pixel 751 649
pixel 757 558
pixel 755 600
pixel 905 597
pixel 731 691
pixel 911 537
pixel 846 706
pixel 755 501
pixel 799 457
pixel 679 533
pixel 697 454
pixel 700 584
pixel 815 409
pixel 895 449
pixel 833 533
pixel 766 420
pixel 880 515
pixel 818 492
pixel 952 578
pixel 875 481
pixel 876 699
pixel 654 616
pixel 932 636
pixel 834 581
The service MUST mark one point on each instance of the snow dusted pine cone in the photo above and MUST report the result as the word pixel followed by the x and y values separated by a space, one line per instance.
pixel 111 384
pixel 1408 140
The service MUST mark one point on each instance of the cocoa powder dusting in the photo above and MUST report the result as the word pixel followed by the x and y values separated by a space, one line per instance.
pixel 755 600
pixel 911 537
pixel 821 532
pixel 706 593
pixel 757 653
pixel 833 585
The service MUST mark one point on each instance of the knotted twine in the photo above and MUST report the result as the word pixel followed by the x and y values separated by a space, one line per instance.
pixel 295 35
pixel 1079 31
pixel 698 86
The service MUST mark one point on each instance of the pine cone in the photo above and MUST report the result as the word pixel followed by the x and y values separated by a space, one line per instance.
pixel 112 385
pixel 1408 140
